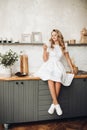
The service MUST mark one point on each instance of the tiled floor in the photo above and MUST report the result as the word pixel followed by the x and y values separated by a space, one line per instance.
pixel 70 124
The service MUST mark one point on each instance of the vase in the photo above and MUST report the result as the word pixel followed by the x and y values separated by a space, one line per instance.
pixel 5 71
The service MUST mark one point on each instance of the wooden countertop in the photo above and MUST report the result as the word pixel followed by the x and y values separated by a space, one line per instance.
pixel 20 78
pixel 35 78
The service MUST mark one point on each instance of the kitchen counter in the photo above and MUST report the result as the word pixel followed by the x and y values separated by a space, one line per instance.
pixel 36 78
pixel 27 99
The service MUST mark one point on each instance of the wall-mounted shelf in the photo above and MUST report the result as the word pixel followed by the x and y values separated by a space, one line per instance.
pixel 21 43
pixel 40 44
pixel 78 44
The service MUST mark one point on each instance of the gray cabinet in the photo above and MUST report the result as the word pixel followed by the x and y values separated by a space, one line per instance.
pixel 72 100
pixel 29 100
pixel 6 102
pixel 24 100
pixel 18 101
pixel 77 98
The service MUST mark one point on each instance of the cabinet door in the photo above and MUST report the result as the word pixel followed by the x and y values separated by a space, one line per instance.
pixel 83 94
pixel 77 98
pixel 25 101
pixel 44 101
pixel 18 101
pixel 1 102
pixel 6 102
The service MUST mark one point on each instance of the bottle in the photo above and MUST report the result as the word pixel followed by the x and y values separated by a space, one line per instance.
pixel 23 63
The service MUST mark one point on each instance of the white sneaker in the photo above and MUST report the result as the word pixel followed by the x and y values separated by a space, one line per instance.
pixel 58 109
pixel 51 109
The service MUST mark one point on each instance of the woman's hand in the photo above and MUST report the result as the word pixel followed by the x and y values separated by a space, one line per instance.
pixel 45 47
pixel 45 53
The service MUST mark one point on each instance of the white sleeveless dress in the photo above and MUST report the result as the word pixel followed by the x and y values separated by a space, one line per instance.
pixel 53 69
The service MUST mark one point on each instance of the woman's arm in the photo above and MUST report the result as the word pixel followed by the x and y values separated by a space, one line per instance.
pixel 66 54
pixel 74 69
pixel 45 53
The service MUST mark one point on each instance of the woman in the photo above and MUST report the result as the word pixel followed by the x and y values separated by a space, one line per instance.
pixel 53 70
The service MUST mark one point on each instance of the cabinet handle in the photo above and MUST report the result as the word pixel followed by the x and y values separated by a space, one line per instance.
pixel 22 83
pixel 16 82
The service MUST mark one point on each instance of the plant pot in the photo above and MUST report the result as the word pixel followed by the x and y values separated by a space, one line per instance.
pixel 5 71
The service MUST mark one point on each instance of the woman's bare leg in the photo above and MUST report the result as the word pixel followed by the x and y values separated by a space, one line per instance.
pixel 57 88
pixel 57 107
pixel 52 89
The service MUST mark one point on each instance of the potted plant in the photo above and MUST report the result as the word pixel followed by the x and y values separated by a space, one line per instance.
pixel 6 61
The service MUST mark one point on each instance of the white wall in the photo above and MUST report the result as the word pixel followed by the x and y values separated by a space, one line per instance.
pixel 26 16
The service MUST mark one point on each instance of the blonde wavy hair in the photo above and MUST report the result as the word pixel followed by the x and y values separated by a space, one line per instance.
pixel 60 39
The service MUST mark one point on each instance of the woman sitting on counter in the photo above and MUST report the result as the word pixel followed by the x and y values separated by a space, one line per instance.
pixel 53 70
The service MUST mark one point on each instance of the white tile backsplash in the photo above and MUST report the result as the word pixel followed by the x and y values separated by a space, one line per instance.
pixel 77 53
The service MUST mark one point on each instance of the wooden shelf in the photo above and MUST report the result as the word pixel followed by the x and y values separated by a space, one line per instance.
pixel 78 44
pixel 21 43
pixel 40 44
